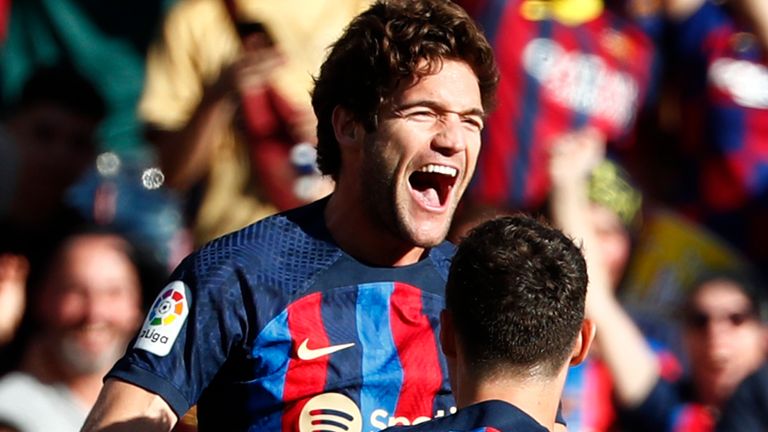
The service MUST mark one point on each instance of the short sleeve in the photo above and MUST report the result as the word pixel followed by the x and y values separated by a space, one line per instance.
pixel 191 329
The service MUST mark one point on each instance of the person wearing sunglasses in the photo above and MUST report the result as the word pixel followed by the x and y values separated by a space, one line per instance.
pixel 723 335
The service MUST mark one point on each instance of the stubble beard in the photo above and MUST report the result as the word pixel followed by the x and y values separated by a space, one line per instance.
pixel 80 362
pixel 380 200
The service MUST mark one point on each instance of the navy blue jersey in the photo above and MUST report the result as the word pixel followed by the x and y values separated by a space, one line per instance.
pixel 747 408
pixel 274 327
pixel 488 416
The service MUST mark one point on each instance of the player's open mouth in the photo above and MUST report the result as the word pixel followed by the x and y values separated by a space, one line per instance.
pixel 432 184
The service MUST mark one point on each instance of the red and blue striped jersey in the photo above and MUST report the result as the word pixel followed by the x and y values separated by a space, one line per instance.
pixel 555 78
pixel 588 398
pixel 588 401
pixel 275 328
pixel 723 182
pixel 487 416
pixel 724 80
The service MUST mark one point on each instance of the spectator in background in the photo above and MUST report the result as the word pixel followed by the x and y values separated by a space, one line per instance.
pixel 513 325
pixel 724 338
pixel 226 98
pixel 52 129
pixel 565 65
pixel 725 341
pixel 717 68
pixel 597 193
pixel 13 282
pixel 47 141
pixel 86 306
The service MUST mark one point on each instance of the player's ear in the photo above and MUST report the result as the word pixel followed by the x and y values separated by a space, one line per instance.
pixel 583 342
pixel 447 334
pixel 345 127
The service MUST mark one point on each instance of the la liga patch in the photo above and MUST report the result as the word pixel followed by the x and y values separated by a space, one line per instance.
pixel 165 319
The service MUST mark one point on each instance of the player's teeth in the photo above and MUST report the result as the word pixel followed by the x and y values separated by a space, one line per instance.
pixel 440 169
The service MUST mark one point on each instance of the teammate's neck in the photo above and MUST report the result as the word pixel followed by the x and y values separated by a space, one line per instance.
pixel 536 396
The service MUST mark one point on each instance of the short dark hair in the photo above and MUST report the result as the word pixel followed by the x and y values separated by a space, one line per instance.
pixel 391 41
pixel 152 274
pixel 744 278
pixel 62 85
pixel 516 291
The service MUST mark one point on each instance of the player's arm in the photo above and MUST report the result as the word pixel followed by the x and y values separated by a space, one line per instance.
pixel 126 407
pixel 679 10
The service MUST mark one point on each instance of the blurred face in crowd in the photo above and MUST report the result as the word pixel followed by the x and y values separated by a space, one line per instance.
pixel 613 240
pixel 55 146
pixel 724 338
pixel 90 303
pixel 418 162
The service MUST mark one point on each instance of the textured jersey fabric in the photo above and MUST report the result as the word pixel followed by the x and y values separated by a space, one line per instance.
pixel 555 78
pixel 279 328
pixel 488 416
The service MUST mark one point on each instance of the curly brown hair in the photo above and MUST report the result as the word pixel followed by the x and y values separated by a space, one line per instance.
pixel 391 41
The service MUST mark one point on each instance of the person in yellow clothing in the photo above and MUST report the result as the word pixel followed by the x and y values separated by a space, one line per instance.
pixel 199 72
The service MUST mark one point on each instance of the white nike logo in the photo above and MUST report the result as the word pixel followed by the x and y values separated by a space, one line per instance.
pixel 306 353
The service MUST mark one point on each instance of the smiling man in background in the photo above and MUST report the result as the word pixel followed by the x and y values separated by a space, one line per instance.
pixel 85 309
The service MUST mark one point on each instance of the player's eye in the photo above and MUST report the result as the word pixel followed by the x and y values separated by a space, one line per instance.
pixel 422 115
pixel 474 122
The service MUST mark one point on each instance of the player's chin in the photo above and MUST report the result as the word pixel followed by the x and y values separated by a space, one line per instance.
pixel 428 233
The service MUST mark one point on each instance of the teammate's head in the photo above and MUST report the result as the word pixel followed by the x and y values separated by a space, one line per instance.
pixel 515 300
pixel 392 42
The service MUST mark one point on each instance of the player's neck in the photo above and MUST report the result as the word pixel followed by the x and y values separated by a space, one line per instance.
pixel 358 234
pixel 537 397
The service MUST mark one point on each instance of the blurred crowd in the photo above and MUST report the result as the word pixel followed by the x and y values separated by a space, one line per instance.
pixel 133 132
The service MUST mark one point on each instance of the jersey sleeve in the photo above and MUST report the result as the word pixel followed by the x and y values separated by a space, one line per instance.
pixel 191 329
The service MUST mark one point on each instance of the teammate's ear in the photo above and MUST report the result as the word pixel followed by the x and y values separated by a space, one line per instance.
pixel 345 127
pixel 583 342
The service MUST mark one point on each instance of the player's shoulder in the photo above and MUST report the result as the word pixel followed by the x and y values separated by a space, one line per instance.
pixel 441 255
pixel 290 239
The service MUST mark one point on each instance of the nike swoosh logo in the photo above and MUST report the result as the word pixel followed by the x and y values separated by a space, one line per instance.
pixel 306 353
